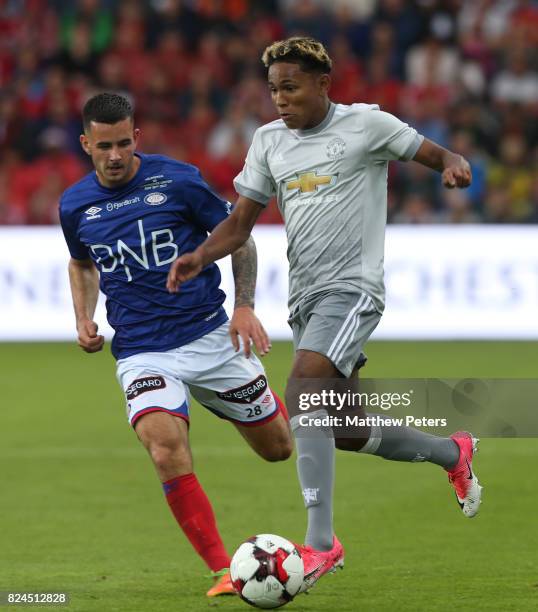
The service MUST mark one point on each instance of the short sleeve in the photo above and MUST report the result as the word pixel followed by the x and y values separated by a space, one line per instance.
pixel 389 138
pixel 77 249
pixel 255 181
pixel 207 209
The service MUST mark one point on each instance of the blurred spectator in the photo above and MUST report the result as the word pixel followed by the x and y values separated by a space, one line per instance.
pixel 432 64
pixel 111 74
pixel 13 136
pixel 211 60
pixel 228 166
pixel 202 91
pixel 236 123
pixel 176 16
pixel 356 10
pixel 415 179
pixel 416 209
pixel 197 126
pixel 382 44
pixel 302 17
pixel 252 94
pixel 60 115
pixel 78 56
pixel 517 83
pixel 36 186
pixel 490 18
pixel 380 87
pixel 129 47
pixel 470 116
pixel 171 55
pixel 510 183
pixel 407 25
pixel 347 84
pixel 10 213
pixel 43 202
pixel 158 98
pixel 95 15
pixel 154 135
pixel 457 207
pixel 524 23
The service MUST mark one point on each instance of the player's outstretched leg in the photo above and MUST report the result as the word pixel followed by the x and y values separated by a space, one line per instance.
pixel 166 440
pixel 399 443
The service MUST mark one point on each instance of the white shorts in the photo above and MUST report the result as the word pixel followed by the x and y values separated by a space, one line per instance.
pixel 224 381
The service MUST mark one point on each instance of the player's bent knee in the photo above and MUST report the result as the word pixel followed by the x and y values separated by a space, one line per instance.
pixel 271 441
pixel 163 456
pixel 277 447
pixel 277 452
pixel 170 458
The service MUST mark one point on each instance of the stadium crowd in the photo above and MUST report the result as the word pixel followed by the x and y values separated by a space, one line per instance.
pixel 462 72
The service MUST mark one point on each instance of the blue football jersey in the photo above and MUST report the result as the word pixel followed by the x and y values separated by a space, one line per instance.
pixel 133 233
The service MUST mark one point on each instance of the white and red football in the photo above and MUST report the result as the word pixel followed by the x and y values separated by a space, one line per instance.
pixel 267 571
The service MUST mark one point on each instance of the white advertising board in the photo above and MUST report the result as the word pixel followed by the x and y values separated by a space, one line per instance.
pixel 442 282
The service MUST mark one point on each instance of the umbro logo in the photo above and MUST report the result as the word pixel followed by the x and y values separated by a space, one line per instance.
pixel 92 212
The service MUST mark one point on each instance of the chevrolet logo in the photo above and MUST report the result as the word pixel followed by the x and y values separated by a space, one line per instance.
pixel 309 181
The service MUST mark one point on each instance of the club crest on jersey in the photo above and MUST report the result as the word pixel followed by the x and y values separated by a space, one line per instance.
pixel 155 199
pixel 307 182
pixel 92 212
pixel 336 148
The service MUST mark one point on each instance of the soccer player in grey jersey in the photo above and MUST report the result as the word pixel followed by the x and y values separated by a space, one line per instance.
pixel 327 164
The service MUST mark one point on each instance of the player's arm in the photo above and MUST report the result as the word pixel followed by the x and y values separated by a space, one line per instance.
pixel 226 238
pixel 244 322
pixel 84 281
pixel 455 169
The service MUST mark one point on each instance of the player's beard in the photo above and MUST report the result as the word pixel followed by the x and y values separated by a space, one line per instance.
pixel 116 173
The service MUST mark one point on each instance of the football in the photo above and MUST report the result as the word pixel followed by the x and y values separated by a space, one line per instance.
pixel 267 571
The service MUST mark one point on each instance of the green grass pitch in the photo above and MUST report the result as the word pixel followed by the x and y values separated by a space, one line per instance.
pixel 82 511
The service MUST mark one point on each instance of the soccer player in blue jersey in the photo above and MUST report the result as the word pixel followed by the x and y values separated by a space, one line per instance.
pixel 124 225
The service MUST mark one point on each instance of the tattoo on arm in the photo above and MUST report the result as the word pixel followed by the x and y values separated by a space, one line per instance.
pixel 245 267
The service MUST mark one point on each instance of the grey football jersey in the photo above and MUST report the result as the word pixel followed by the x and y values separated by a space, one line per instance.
pixel 331 187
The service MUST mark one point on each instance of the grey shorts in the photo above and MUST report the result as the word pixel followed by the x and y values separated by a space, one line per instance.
pixel 336 324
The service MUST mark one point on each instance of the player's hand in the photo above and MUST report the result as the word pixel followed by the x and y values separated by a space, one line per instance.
pixel 184 268
pixel 458 174
pixel 88 338
pixel 246 325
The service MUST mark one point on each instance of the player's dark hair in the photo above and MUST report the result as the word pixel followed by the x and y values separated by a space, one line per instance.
pixel 309 53
pixel 106 108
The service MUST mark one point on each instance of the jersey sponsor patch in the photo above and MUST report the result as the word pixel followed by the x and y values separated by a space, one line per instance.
pixel 307 182
pixel 246 393
pixel 141 385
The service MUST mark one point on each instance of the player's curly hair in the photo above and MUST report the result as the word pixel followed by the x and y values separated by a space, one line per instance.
pixel 309 53
pixel 106 108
